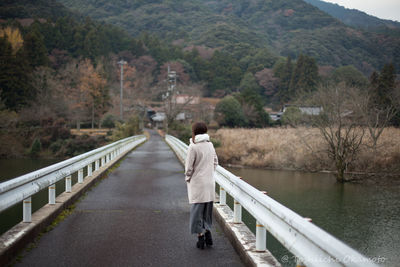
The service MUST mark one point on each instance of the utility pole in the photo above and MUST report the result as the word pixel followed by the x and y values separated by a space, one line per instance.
pixel 168 96
pixel 121 111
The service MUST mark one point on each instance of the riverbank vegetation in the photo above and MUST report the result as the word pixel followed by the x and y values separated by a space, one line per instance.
pixel 303 148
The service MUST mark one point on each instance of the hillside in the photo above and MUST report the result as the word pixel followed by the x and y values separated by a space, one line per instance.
pixel 289 27
pixel 32 9
pixel 353 17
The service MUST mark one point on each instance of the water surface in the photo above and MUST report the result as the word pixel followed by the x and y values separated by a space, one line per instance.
pixel 366 217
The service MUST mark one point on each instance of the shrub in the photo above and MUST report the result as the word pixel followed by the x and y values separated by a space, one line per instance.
pixel 292 116
pixel 129 128
pixel 181 131
pixel 108 121
pixel 35 148
pixel 229 113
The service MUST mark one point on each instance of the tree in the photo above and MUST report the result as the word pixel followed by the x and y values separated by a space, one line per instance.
pixel 34 49
pixel 268 81
pixel 378 105
pixel 93 91
pixel 338 124
pixel 304 77
pixel 14 78
pixel 350 76
pixel 229 113
pixel 292 117
pixel 13 36
pixel 285 77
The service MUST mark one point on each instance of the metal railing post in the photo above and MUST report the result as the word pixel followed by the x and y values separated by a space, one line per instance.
pixel 261 237
pixel 237 212
pixel 89 169
pixel 222 196
pixel 96 165
pixel 68 184
pixel 261 234
pixel 80 176
pixel 27 210
pixel 52 194
pixel 103 161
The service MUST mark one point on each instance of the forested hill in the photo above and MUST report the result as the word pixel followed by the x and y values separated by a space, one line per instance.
pixel 354 17
pixel 36 9
pixel 289 27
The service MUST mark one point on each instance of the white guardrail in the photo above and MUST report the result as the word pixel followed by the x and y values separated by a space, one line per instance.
pixel 311 245
pixel 24 187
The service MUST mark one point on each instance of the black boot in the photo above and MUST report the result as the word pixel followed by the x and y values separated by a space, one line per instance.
pixel 209 241
pixel 200 242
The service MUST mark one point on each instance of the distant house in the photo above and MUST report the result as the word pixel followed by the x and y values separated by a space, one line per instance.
pixel 159 117
pixel 307 110
pixel 186 99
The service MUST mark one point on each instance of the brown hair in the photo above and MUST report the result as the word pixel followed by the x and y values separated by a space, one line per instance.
pixel 198 128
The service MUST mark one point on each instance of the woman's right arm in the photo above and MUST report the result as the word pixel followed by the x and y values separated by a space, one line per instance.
pixel 189 162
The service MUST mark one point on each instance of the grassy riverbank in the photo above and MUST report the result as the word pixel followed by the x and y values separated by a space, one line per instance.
pixel 304 149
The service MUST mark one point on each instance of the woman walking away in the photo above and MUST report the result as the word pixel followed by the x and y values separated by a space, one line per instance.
pixel 200 165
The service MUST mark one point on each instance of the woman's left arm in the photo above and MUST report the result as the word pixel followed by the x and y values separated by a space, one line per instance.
pixel 189 162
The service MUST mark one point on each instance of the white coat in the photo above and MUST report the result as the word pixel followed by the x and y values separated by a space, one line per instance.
pixel 200 164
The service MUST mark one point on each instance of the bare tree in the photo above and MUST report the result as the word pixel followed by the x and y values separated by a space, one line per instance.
pixel 339 126
pixel 176 103
pixel 375 117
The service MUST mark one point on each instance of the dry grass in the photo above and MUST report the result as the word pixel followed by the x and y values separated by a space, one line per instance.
pixel 303 149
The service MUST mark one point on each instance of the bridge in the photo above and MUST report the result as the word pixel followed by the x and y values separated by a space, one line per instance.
pixel 138 215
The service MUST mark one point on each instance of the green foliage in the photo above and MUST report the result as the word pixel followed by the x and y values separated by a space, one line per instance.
pixel 16 91
pixel 292 116
pixel 350 76
pixel 80 144
pixel 229 113
pixel 304 77
pixel 35 148
pixel 34 49
pixel 382 85
pixel 108 121
pixel 32 9
pixel 181 131
pixel 127 129
pixel 224 73
pixel 284 71
pixel 289 27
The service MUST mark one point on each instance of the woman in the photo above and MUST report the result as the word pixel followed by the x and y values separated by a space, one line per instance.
pixel 200 165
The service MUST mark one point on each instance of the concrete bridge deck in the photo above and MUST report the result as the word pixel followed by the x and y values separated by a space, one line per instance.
pixel 138 216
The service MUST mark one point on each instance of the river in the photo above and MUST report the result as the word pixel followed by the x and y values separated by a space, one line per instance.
pixel 365 217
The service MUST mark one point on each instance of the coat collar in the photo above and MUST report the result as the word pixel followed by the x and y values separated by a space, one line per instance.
pixel 200 138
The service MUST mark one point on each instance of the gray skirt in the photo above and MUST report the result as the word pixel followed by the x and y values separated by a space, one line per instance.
pixel 201 217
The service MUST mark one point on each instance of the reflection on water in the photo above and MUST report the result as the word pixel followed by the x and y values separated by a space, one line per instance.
pixel 11 168
pixel 366 218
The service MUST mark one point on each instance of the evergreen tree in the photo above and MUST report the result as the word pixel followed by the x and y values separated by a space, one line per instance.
pixel 284 81
pixel 14 82
pixel 382 85
pixel 304 77
pixel 34 50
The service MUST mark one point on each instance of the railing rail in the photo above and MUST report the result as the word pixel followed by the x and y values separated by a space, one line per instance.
pixel 311 245
pixel 23 187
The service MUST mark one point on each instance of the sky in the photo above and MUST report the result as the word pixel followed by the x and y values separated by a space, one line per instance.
pixel 384 9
